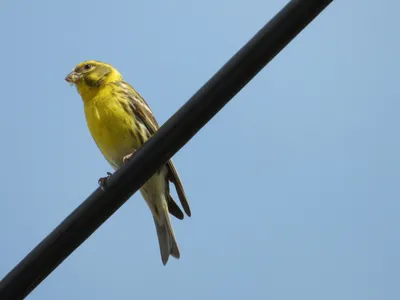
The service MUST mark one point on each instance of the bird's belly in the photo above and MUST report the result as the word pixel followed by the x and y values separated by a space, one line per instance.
pixel 112 129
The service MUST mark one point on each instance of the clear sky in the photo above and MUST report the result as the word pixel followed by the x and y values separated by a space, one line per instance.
pixel 294 186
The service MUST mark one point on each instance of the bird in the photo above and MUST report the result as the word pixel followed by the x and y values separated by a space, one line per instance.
pixel 120 122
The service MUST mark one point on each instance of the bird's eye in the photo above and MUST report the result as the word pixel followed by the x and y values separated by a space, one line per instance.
pixel 88 66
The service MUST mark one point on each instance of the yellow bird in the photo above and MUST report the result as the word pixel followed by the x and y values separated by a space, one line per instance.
pixel 120 121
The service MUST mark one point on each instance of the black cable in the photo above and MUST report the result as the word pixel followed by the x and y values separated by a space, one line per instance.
pixel 175 133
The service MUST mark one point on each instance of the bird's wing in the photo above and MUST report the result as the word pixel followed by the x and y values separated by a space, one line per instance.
pixel 143 111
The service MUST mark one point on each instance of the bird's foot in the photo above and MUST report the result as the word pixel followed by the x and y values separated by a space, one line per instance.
pixel 127 157
pixel 102 180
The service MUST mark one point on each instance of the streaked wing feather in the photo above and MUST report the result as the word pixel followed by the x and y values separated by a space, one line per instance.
pixel 174 178
pixel 144 112
pixel 174 209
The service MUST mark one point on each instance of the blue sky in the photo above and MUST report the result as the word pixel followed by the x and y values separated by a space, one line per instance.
pixel 294 186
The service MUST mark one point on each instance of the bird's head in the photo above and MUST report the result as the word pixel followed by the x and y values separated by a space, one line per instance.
pixel 91 74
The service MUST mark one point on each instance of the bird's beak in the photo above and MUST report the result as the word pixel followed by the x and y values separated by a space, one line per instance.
pixel 72 77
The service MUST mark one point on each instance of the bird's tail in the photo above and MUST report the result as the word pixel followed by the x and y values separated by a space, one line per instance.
pixel 166 236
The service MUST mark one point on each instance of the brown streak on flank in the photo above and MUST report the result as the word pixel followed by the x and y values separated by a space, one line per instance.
pixel 114 94
pixel 126 107
pixel 132 133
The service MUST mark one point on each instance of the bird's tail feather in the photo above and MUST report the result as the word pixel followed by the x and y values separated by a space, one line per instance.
pixel 166 237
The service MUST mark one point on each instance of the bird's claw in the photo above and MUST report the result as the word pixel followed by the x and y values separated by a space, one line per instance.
pixel 127 157
pixel 102 180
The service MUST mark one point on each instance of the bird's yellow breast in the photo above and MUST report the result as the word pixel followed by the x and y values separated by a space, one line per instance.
pixel 111 126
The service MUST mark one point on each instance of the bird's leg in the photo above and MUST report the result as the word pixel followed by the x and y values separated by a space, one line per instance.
pixel 127 157
pixel 102 180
